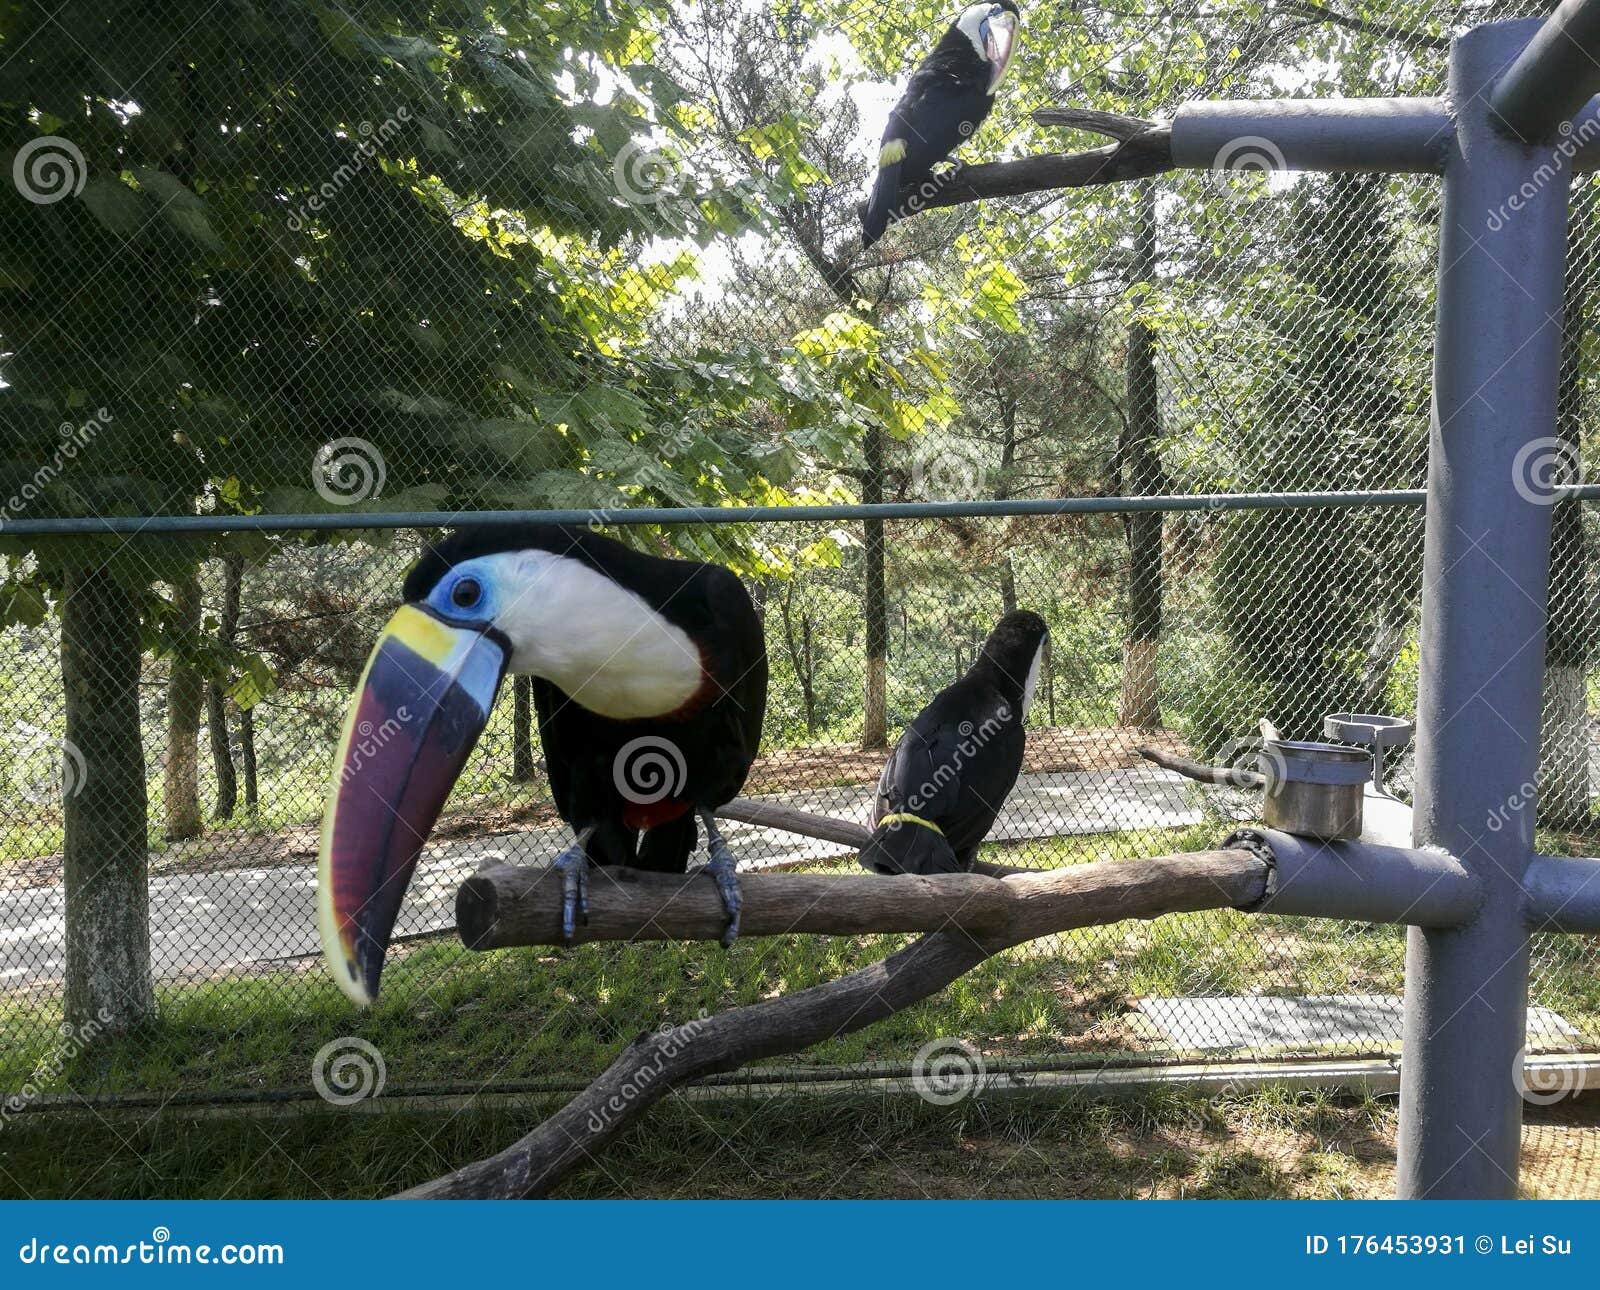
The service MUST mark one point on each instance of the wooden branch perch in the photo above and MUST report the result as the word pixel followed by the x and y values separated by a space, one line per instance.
pixel 1114 125
pixel 982 916
pixel 1138 157
pixel 1229 776
pixel 825 828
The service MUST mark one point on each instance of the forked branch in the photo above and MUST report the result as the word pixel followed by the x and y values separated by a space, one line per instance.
pixel 981 916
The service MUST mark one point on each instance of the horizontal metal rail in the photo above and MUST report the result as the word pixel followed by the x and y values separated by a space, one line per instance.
pixel 133 525
pixel 1554 76
pixel 1267 135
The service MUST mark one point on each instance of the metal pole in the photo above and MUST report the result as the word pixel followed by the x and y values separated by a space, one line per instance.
pixel 1553 76
pixel 1486 557
pixel 1391 135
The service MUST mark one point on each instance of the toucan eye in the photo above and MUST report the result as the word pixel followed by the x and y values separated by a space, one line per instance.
pixel 466 593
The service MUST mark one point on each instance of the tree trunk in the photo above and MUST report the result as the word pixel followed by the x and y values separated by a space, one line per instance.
pixel 522 766
pixel 104 880
pixel 185 699
pixel 875 705
pixel 1141 701
pixel 216 699
pixel 247 759
pixel 1564 742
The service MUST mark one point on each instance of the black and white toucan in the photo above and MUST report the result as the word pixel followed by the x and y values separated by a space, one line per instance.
pixel 650 683
pixel 946 100
pixel 950 773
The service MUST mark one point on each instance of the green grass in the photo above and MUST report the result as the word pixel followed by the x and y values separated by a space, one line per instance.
pixel 1163 1143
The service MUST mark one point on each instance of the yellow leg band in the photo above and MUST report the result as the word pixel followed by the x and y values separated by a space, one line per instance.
pixel 905 817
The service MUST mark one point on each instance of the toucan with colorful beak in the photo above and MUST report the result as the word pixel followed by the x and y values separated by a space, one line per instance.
pixel 952 770
pixel 948 97
pixel 649 677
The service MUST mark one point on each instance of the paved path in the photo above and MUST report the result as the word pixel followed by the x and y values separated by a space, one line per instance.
pixel 206 922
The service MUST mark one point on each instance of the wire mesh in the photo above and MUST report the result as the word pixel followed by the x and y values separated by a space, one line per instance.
pixel 265 258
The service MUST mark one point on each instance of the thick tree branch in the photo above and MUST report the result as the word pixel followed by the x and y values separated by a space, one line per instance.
pixel 1009 913
pixel 1143 155
pixel 1114 125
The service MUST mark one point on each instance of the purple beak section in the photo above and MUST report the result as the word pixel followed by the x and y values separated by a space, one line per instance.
pixel 424 699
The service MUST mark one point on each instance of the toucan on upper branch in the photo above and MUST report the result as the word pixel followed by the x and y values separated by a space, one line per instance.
pixel 947 98
pixel 952 770
pixel 650 683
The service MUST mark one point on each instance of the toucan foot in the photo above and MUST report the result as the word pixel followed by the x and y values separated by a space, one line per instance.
pixel 723 870
pixel 573 866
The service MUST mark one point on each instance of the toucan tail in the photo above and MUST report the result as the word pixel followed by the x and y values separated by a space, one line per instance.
pixel 903 846
pixel 880 206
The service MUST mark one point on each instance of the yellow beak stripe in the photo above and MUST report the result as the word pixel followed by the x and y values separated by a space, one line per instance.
pixel 905 817
pixel 893 153
pixel 422 634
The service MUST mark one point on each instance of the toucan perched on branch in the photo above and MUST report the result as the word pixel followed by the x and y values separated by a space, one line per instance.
pixel 650 682
pixel 946 100
pixel 950 773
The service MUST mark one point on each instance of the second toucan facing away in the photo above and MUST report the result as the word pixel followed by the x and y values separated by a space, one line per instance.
pixel 650 681
pixel 947 98
pixel 950 773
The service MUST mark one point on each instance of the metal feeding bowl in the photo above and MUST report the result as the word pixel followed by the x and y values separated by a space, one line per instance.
pixel 1313 789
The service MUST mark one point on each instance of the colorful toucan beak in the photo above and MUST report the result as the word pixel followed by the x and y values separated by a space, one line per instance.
pixel 423 700
pixel 997 45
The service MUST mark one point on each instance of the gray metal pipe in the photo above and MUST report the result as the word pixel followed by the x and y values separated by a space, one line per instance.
pixel 1399 135
pixel 1563 894
pixel 1554 76
pixel 1485 564
pixel 1361 881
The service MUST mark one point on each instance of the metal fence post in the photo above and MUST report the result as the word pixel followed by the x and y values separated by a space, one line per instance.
pixel 1496 363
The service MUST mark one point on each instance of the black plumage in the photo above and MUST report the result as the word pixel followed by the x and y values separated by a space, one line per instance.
pixel 949 775
pixel 715 736
pixel 947 99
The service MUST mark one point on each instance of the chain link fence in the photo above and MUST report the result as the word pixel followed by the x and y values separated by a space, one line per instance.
pixel 283 259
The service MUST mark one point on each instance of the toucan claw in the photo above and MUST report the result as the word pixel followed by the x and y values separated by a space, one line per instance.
pixel 723 869
pixel 573 866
